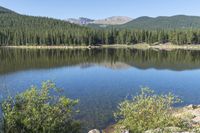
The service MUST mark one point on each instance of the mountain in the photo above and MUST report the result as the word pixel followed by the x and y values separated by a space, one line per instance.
pixel 150 23
pixel 17 29
pixel 115 20
pixel 5 10
pixel 173 22
pixel 120 22
pixel 80 21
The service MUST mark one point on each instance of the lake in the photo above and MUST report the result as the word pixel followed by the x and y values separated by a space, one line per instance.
pixel 101 78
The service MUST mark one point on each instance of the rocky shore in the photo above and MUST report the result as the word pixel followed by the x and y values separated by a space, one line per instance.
pixel 141 46
pixel 189 114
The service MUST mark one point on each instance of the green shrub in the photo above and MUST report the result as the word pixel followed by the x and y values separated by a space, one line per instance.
pixel 147 111
pixel 39 111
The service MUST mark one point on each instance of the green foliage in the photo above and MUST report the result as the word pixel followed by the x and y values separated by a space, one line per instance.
pixel 16 29
pixel 147 111
pixel 173 22
pixel 5 10
pixel 37 111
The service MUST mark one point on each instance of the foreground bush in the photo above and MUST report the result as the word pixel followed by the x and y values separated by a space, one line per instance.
pixel 38 111
pixel 147 111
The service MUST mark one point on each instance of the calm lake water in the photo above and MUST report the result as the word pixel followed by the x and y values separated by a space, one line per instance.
pixel 101 78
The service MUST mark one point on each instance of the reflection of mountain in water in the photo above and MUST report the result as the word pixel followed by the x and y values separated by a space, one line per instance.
pixel 116 65
pixel 21 59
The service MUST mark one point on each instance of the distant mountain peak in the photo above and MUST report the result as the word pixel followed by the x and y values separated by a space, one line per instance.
pixel 114 20
pixel 80 20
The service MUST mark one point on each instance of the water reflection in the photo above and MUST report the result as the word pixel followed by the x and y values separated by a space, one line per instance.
pixel 21 59
pixel 101 78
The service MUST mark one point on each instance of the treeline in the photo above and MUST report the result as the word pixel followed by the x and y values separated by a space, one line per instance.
pixel 163 22
pixel 18 29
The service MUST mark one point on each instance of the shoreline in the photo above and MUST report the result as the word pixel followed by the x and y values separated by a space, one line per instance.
pixel 189 113
pixel 143 46
pixel 136 46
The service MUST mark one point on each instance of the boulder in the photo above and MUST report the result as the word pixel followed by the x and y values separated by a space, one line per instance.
pixel 94 131
pixel 125 131
pixel 196 120
pixel 191 106
pixel 165 130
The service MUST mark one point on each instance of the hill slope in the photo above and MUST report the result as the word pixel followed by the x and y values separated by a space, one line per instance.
pixel 5 10
pixel 174 22
pixel 162 22
pixel 16 29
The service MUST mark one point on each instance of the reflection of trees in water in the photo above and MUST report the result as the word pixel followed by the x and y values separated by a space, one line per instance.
pixel 4 91
pixel 20 59
pixel 12 60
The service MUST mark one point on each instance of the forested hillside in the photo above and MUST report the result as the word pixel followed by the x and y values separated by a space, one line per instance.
pixel 5 10
pixel 16 29
pixel 174 22
pixel 24 30
pixel 149 23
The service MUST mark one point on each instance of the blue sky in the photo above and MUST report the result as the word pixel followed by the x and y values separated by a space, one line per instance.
pixel 63 9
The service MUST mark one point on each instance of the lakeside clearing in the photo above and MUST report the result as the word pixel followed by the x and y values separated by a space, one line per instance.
pixel 141 46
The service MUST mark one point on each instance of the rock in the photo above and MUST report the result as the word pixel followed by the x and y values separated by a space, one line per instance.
pixel 94 131
pixel 196 112
pixel 196 120
pixel 165 130
pixel 191 106
pixel 125 131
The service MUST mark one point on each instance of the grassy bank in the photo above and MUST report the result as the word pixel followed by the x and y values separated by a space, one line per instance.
pixel 49 47
pixel 142 46
pixel 173 47
pixel 137 46
pixel 167 46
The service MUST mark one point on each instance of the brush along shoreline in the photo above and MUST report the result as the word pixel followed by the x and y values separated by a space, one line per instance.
pixel 190 114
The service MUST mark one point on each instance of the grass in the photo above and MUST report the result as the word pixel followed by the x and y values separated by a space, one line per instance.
pixel 141 46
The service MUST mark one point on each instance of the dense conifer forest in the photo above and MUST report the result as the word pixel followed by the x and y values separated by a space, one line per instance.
pixel 16 29
pixel 165 22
